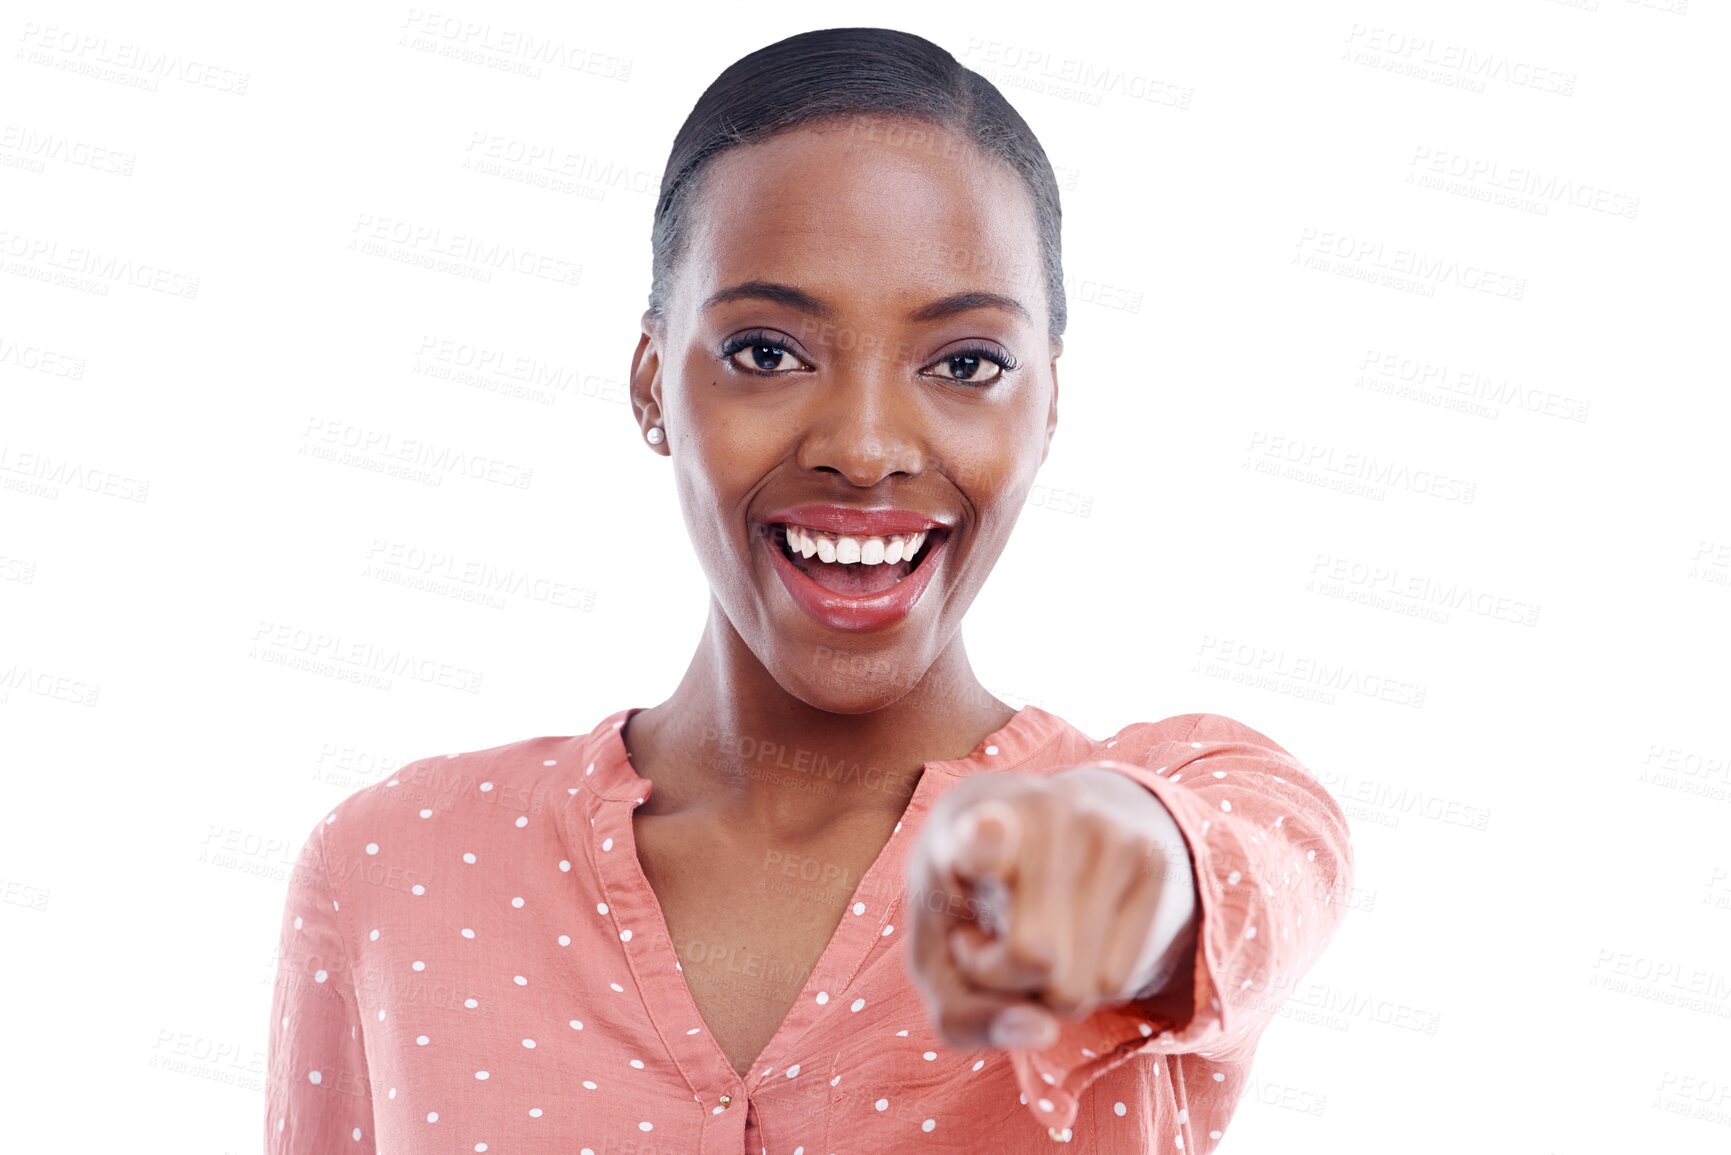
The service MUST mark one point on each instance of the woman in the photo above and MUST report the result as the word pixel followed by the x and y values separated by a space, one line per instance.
pixel 682 931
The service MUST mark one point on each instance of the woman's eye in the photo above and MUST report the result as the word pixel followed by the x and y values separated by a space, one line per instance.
pixel 974 367
pixel 767 358
pixel 971 368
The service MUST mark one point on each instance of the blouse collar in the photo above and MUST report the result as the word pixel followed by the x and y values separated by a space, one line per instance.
pixel 611 776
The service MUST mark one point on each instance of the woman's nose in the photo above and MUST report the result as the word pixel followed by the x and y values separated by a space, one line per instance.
pixel 865 426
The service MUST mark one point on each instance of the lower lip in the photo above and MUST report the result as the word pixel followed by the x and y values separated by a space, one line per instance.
pixel 841 612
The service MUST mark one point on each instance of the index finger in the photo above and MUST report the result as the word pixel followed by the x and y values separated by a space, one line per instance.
pixel 987 835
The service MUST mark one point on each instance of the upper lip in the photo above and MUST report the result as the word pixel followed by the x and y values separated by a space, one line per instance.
pixel 853 521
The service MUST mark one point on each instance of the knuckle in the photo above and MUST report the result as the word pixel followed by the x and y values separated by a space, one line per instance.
pixel 1146 853
pixel 1112 976
pixel 1031 947
pixel 1042 807
pixel 1064 996
pixel 1107 833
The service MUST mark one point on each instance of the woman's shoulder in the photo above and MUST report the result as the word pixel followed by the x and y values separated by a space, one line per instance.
pixel 515 781
pixel 1195 729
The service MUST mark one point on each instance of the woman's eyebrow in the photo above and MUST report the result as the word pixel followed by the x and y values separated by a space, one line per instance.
pixel 812 306
pixel 772 291
pixel 963 302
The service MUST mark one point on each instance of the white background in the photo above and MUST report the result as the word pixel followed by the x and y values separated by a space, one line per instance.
pixel 1521 698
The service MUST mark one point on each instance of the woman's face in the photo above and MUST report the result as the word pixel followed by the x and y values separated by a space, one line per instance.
pixel 816 350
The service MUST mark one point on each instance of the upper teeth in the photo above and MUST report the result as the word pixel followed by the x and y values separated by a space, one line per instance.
pixel 847 550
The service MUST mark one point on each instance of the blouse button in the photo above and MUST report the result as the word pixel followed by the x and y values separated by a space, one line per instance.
pixel 725 1100
pixel 1057 1135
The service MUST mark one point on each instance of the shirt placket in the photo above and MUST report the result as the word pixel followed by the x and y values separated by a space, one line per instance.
pixel 654 966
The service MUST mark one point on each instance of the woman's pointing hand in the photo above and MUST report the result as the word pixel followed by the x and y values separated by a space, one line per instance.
pixel 1035 897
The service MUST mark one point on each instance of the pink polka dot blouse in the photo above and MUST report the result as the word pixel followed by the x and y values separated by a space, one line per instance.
pixel 473 961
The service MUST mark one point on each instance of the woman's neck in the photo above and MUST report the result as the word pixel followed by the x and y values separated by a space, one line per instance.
pixel 731 742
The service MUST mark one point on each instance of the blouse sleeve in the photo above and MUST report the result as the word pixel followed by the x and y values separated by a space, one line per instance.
pixel 317 1093
pixel 1269 853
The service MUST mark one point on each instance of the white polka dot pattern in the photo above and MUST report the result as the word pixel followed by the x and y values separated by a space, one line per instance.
pixel 470 959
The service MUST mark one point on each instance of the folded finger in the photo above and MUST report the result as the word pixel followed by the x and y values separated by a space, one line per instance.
pixel 1127 943
pixel 1096 899
pixel 984 960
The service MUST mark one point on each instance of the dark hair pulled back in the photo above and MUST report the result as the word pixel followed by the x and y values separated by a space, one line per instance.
pixel 838 73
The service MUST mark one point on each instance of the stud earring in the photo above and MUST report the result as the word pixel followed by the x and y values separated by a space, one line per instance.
pixel 656 437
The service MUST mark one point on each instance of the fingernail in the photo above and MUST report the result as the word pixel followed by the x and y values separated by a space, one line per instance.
pixel 1016 1028
pixel 982 837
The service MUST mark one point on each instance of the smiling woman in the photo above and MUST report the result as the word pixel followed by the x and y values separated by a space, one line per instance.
pixel 682 931
pixel 843 317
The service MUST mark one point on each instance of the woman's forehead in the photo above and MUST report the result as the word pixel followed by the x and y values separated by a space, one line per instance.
pixel 830 205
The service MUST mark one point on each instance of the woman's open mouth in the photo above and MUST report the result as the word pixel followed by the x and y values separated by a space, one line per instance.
pixel 854 582
pixel 855 566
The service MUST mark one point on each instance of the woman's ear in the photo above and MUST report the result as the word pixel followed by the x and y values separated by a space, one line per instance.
pixel 1052 411
pixel 645 384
